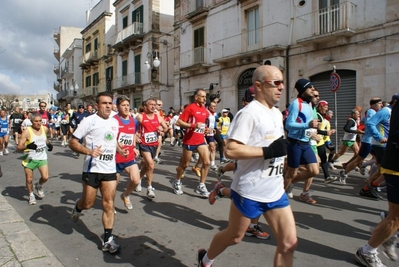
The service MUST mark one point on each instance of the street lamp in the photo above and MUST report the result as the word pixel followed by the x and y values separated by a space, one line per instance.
pixel 154 61
pixel 74 87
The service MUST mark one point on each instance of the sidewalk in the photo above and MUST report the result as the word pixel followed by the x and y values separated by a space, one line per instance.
pixel 19 245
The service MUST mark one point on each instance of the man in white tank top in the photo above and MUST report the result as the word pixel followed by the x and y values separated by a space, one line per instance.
pixel 33 142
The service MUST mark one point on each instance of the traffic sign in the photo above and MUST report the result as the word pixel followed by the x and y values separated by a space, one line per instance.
pixel 335 82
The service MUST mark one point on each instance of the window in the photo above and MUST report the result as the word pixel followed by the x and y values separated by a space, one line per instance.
pixel 137 20
pixel 199 41
pixel 95 79
pixel 96 44
pixel 88 81
pixel 109 76
pixel 137 15
pixel 137 69
pixel 124 22
pixel 88 47
pixel 253 26
pixel 329 16
pixel 124 73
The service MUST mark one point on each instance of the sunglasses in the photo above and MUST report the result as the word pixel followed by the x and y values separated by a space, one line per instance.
pixel 316 96
pixel 275 82
pixel 42 106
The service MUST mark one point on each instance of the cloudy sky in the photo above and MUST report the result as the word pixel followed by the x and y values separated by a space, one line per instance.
pixel 27 43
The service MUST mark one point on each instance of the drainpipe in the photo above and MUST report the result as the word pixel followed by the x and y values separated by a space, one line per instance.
pixel 287 74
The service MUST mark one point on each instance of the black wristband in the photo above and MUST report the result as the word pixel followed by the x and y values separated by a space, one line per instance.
pixel 267 152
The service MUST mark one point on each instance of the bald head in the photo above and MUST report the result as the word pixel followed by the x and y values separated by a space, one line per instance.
pixel 265 72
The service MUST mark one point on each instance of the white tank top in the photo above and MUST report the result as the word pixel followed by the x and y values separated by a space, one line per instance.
pixel 40 140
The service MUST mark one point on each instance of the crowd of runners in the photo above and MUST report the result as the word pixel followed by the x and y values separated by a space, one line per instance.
pixel 266 151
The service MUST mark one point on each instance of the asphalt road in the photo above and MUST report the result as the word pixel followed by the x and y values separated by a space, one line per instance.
pixel 169 230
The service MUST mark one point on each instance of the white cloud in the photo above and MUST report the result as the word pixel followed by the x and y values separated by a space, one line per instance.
pixel 27 44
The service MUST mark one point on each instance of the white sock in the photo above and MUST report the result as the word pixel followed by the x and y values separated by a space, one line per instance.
pixel 305 193
pixel 212 163
pixel 206 261
pixel 31 194
pixel 201 184
pixel 252 225
pixel 369 249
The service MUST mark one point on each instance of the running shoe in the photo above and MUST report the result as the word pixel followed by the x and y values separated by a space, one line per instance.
pixel 192 160
pixel 220 173
pixel 150 192
pixel 75 155
pixel 342 177
pixel 75 214
pixel 176 185
pixel 215 193
pixel 257 232
pixel 389 248
pixel 40 191
pixel 200 255
pixel 32 199
pixel 368 259
pixel 1 153
pixel 289 191
pixel 331 166
pixel 126 202
pixel 6 152
pixel 196 170
pixel 111 246
pixel 214 167
pixel 201 189
pixel 157 160
pixel 368 194
pixel 138 187
pixel 362 170
pixel 196 156
pixel 330 179
pixel 307 198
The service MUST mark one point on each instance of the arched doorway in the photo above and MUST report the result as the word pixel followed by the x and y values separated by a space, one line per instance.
pixel 244 81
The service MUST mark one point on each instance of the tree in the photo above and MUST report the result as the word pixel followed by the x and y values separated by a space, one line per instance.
pixel 9 101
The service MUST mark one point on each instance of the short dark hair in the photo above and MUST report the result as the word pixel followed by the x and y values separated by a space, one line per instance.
pixel 121 99
pixel 103 94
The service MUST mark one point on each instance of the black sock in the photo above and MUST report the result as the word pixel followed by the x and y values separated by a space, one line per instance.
pixel 76 207
pixel 107 234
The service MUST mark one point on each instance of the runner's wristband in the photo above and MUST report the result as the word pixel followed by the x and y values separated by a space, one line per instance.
pixel 267 152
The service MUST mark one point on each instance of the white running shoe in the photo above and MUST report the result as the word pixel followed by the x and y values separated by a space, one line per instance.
pixel 176 185
pixel 138 187
pixel 214 167
pixel 150 192
pixel 202 190
pixel 40 191
pixel 32 199
pixel 6 152
pixel 289 191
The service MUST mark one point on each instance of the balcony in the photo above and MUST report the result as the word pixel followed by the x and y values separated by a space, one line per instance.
pixel 65 95
pixel 67 71
pixel 90 91
pixel 195 59
pixel 56 52
pixel 89 59
pixel 129 35
pixel 56 69
pixel 336 22
pixel 56 35
pixel 124 82
pixel 197 11
pixel 272 37
pixel 57 86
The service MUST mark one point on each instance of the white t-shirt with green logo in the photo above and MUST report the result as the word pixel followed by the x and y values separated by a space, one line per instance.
pixel 97 132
